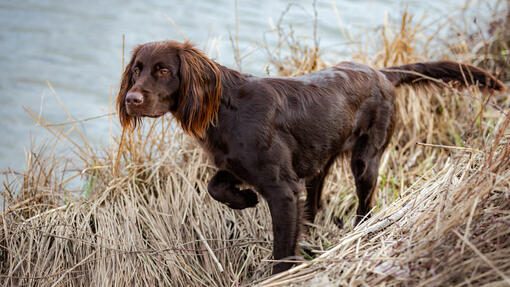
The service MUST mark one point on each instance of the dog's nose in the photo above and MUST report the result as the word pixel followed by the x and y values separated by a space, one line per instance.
pixel 134 99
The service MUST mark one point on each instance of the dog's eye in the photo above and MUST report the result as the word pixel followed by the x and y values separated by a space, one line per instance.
pixel 136 70
pixel 163 71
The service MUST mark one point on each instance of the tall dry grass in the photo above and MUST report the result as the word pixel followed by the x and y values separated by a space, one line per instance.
pixel 144 217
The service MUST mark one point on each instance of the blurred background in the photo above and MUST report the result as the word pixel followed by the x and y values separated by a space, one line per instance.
pixel 74 48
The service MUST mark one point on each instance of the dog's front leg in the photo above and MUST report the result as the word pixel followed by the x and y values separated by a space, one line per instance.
pixel 222 187
pixel 285 214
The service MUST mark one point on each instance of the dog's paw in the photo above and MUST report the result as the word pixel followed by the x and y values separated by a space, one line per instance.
pixel 282 266
pixel 244 199
pixel 250 197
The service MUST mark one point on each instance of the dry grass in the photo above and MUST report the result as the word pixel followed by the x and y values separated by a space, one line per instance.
pixel 143 216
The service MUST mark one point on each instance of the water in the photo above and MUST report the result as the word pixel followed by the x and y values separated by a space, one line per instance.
pixel 77 47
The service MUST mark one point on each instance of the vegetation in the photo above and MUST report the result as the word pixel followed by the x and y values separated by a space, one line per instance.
pixel 144 217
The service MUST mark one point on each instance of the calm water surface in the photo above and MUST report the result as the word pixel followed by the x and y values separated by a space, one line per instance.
pixel 77 47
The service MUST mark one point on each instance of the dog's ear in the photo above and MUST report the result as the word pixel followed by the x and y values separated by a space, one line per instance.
pixel 199 91
pixel 126 83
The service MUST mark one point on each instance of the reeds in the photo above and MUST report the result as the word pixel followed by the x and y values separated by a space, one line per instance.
pixel 144 217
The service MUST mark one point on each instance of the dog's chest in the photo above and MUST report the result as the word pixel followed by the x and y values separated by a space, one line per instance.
pixel 225 155
pixel 217 151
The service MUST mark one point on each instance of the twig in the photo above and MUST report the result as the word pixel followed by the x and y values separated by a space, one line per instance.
pixel 50 211
pixel 78 121
pixel 453 147
pixel 215 259
pixel 389 220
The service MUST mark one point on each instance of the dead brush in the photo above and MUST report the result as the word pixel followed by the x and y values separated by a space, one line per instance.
pixel 145 217
pixel 292 56
pixel 488 48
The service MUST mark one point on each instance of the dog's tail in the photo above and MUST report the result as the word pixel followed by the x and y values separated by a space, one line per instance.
pixel 445 71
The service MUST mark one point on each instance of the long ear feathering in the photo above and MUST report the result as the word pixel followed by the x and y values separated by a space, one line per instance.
pixel 200 90
pixel 126 82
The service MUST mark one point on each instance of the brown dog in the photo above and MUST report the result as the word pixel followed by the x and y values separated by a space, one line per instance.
pixel 279 135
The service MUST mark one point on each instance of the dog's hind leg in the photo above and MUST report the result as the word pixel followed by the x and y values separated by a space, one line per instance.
pixel 373 129
pixel 365 171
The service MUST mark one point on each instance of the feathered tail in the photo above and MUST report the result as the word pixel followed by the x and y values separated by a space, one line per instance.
pixel 446 71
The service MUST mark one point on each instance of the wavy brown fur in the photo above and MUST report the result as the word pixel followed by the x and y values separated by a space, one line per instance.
pixel 199 90
pixel 447 71
pixel 126 82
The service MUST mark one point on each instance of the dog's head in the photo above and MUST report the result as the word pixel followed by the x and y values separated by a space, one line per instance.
pixel 171 77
